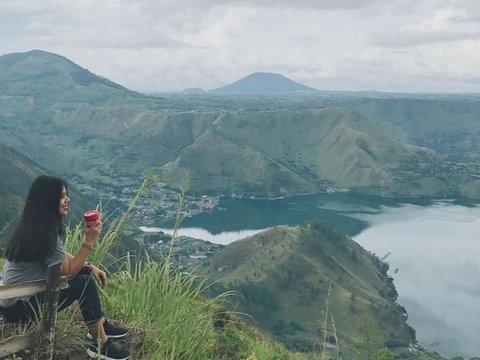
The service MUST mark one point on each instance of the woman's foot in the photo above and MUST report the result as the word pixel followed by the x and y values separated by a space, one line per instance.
pixel 108 351
pixel 111 330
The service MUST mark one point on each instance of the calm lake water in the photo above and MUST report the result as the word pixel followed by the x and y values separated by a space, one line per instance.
pixel 434 251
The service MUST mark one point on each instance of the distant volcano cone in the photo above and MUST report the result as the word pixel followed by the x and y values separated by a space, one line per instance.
pixel 263 83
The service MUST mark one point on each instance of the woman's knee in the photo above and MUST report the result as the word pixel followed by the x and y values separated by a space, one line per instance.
pixel 82 284
pixel 82 281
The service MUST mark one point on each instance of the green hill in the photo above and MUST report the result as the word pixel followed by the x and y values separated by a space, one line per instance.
pixel 41 75
pixel 284 275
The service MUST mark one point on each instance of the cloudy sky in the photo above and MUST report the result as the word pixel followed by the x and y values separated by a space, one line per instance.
pixel 169 45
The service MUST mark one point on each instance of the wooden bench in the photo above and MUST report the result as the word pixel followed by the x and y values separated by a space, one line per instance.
pixel 40 341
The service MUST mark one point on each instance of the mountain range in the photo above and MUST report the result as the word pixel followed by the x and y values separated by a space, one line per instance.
pixel 58 113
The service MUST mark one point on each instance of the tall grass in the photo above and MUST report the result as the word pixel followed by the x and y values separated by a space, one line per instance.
pixel 167 306
pixel 328 319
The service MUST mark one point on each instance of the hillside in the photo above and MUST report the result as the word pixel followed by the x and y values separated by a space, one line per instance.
pixel 42 76
pixel 263 83
pixel 16 175
pixel 447 125
pixel 284 275
pixel 284 152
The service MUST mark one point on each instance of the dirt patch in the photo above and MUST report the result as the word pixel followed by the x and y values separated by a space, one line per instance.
pixel 76 350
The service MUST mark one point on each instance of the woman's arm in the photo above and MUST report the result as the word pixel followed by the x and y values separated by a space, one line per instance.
pixel 98 274
pixel 71 265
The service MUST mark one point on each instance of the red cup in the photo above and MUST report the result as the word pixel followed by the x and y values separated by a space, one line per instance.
pixel 91 217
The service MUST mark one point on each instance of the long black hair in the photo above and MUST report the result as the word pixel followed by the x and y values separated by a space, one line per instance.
pixel 40 225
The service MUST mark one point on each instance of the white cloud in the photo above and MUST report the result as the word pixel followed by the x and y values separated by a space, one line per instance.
pixel 397 45
pixel 441 19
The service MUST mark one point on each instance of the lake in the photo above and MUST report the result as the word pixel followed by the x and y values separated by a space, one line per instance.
pixel 433 249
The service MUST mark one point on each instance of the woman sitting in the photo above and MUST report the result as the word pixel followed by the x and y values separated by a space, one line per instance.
pixel 36 243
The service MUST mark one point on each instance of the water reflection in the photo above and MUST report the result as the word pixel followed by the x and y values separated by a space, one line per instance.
pixel 435 250
pixel 223 238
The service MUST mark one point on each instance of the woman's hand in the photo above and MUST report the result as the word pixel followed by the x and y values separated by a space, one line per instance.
pixel 92 233
pixel 99 275
pixel 71 265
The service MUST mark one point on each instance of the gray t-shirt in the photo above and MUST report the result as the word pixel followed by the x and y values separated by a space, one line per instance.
pixel 18 272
